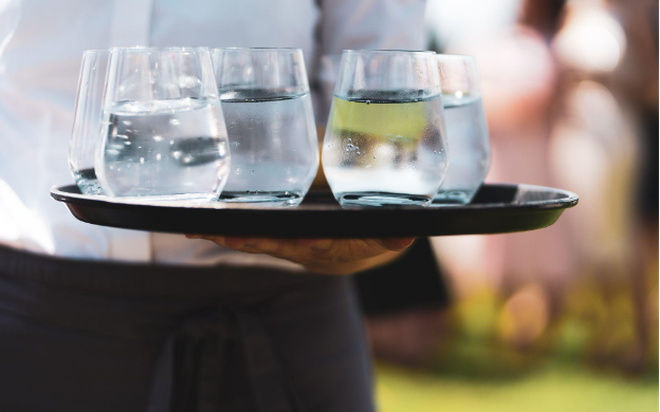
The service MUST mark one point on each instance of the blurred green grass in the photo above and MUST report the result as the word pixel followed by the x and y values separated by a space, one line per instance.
pixel 553 387
pixel 589 356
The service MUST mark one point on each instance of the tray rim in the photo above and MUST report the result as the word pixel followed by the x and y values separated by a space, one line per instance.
pixel 569 200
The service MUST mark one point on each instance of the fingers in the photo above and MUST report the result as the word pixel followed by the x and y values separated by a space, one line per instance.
pixel 317 244
pixel 312 252
pixel 397 244
pixel 269 245
pixel 282 248
pixel 235 242
pixel 224 241
pixel 232 242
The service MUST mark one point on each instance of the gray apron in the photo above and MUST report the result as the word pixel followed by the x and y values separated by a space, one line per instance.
pixel 93 336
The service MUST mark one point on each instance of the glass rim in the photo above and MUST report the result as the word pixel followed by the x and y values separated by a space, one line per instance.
pixel 262 49
pixel 390 51
pixel 95 51
pixel 169 49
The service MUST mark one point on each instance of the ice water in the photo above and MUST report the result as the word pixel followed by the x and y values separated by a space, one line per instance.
pixel 273 144
pixel 388 148
pixel 88 182
pixel 466 128
pixel 166 150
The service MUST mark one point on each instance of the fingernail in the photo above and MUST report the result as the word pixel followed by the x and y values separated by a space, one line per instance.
pixel 397 244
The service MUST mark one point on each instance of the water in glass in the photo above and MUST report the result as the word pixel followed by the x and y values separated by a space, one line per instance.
pixel 385 148
pixel 172 149
pixel 273 146
pixel 467 132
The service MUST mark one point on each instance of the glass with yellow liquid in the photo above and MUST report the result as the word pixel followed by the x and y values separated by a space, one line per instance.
pixel 385 142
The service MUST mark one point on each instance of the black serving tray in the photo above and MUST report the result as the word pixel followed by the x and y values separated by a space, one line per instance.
pixel 497 208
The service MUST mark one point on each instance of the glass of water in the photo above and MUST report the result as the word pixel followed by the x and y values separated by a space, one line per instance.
pixel 86 132
pixel 467 131
pixel 385 141
pixel 164 135
pixel 265 97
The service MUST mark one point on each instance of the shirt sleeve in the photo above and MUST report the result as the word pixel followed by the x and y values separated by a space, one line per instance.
pixel 360 24
pixel 370 24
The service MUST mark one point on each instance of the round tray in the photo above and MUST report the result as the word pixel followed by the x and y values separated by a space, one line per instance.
pixel 497 208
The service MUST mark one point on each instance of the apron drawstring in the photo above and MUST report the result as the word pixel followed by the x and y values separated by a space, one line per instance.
pixel 223 359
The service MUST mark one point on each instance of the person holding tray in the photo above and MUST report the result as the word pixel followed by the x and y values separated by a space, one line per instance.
pixel 93 318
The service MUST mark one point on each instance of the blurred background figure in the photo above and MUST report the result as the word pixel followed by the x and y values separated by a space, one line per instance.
pixel 520 79
pixel 570 89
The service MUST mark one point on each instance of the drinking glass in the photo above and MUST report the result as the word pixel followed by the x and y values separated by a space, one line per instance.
pixel 265 96
pixel 164 136
pixel 385 142
pixel 86 132
pixel 467 131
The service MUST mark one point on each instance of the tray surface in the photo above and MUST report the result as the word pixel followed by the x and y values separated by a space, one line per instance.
pixel 497 208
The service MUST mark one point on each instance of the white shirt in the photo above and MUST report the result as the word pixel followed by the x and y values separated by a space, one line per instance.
pixel 38 79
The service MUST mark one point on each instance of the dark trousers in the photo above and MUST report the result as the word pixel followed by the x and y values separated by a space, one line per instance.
pixel 85 336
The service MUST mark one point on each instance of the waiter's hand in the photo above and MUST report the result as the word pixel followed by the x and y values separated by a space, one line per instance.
pixel 328 256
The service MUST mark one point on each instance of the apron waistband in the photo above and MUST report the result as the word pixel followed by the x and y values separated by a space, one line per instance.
pixel 106 277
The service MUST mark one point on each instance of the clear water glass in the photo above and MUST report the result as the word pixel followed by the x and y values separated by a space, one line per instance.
pixel 164 136
pixel 86 133
pixel 467 131
pixel 265 97
pixel 385 142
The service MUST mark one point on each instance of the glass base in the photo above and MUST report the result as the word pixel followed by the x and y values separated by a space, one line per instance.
pixel 87 182
pixel 90 187
pixel 381 199
pixel 262 198
pixel 170 200
pixel 452 197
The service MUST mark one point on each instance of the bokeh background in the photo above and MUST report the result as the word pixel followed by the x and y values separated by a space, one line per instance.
pixel 564 318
